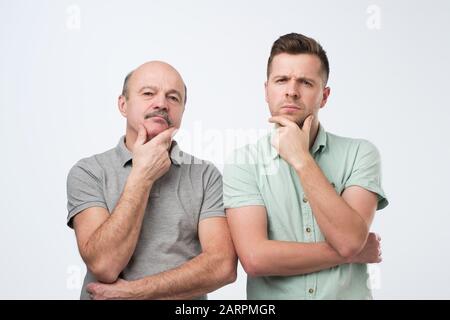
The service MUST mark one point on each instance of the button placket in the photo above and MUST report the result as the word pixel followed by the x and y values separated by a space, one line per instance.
pixel 307 219
pixel 311 286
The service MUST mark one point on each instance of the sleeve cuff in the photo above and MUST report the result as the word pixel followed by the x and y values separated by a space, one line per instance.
pixel 382 200
pixel 82 207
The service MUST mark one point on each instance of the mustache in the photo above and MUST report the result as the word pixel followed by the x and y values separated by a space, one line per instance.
pixel 159 113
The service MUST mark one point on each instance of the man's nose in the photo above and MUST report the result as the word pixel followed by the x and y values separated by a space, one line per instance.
pixel 160 102
pixel 292 90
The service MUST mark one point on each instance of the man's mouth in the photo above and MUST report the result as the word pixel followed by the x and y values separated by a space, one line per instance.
pixel 290 107
pixel 159 116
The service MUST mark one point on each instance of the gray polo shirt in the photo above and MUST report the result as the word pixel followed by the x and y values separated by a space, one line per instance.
pixel 190 191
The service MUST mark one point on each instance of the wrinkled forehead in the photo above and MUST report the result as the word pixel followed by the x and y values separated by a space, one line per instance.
pixel 298 65
pixel 160 76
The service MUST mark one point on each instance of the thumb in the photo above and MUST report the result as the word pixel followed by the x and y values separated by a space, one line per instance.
pixel 307 124
pixel 142 135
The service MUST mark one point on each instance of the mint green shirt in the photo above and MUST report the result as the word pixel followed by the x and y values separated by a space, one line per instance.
pixel 257 175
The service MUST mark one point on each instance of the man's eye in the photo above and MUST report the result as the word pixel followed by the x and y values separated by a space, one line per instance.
pixel 173 98
pixel 280 81
pixel 148 93
pixel 307 83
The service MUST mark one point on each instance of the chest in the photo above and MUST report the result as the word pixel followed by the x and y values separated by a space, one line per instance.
pixel 174 202
pixel 289 213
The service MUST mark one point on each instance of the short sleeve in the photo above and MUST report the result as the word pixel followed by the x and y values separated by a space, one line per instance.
pixel 212 204
pixel 84 190
pixel 240 183
pixel 366 172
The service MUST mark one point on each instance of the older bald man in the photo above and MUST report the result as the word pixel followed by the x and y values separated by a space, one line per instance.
pixel 148 217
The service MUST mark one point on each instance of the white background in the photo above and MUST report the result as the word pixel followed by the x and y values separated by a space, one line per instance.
pixel 62 64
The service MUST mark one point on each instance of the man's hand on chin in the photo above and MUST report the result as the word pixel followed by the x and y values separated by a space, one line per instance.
pixel 291 141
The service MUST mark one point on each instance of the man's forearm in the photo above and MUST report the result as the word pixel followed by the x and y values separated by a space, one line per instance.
pixel 341 224
pixel 199 276
pixel 115 240
pixel 285 258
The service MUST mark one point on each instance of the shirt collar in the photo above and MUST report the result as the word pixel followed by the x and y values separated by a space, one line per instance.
pixel 321 140
pixel 122 152
pixel 125 155
pixel 176 154
pixel 319 144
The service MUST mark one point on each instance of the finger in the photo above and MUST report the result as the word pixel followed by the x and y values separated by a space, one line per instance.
pixel 281 121
pixel 307 123
pixel 142 135
pixel 165 137
pixel 90 288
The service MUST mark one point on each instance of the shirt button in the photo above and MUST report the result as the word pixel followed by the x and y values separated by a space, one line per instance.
pixel 333 185
pixel 311 290
pixel 308 229
pixel 305 199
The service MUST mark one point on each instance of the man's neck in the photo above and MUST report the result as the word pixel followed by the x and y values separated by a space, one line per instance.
pixel 130 139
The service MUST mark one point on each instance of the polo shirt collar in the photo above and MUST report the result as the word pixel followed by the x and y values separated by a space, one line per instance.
pixel 175 154
pixel 122 152
pixel 319 144
pixel 125 155
pixel 321 140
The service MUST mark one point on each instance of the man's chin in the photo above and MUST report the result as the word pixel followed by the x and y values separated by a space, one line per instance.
pixel 298 120
pixel 155 129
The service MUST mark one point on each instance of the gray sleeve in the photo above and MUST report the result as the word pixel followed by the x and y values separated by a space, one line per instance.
pixel 212 204
pixel 84 189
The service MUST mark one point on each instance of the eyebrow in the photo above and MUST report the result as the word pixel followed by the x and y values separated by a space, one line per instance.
pixel 300 78
pixel 147 87
pixel 171 91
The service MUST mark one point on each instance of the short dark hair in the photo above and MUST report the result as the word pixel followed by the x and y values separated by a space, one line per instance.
pixel 296 43
pixel 125 91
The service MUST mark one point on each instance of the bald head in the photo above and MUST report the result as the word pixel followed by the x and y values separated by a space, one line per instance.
pixel 153 68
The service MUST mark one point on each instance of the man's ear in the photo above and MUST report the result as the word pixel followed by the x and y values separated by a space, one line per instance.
pixel 122 104
pixel 325 94
pixel 265 91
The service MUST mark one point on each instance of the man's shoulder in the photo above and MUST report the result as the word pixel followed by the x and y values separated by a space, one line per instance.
pixel 349 144
pixel 94 164
pixel 251 153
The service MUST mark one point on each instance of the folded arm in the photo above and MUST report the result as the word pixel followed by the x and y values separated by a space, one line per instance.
pixel 263 257
pixel 107 241
pixel 344 220
pixel 213 268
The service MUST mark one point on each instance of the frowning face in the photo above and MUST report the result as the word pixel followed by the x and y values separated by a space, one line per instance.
pixel 295 88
